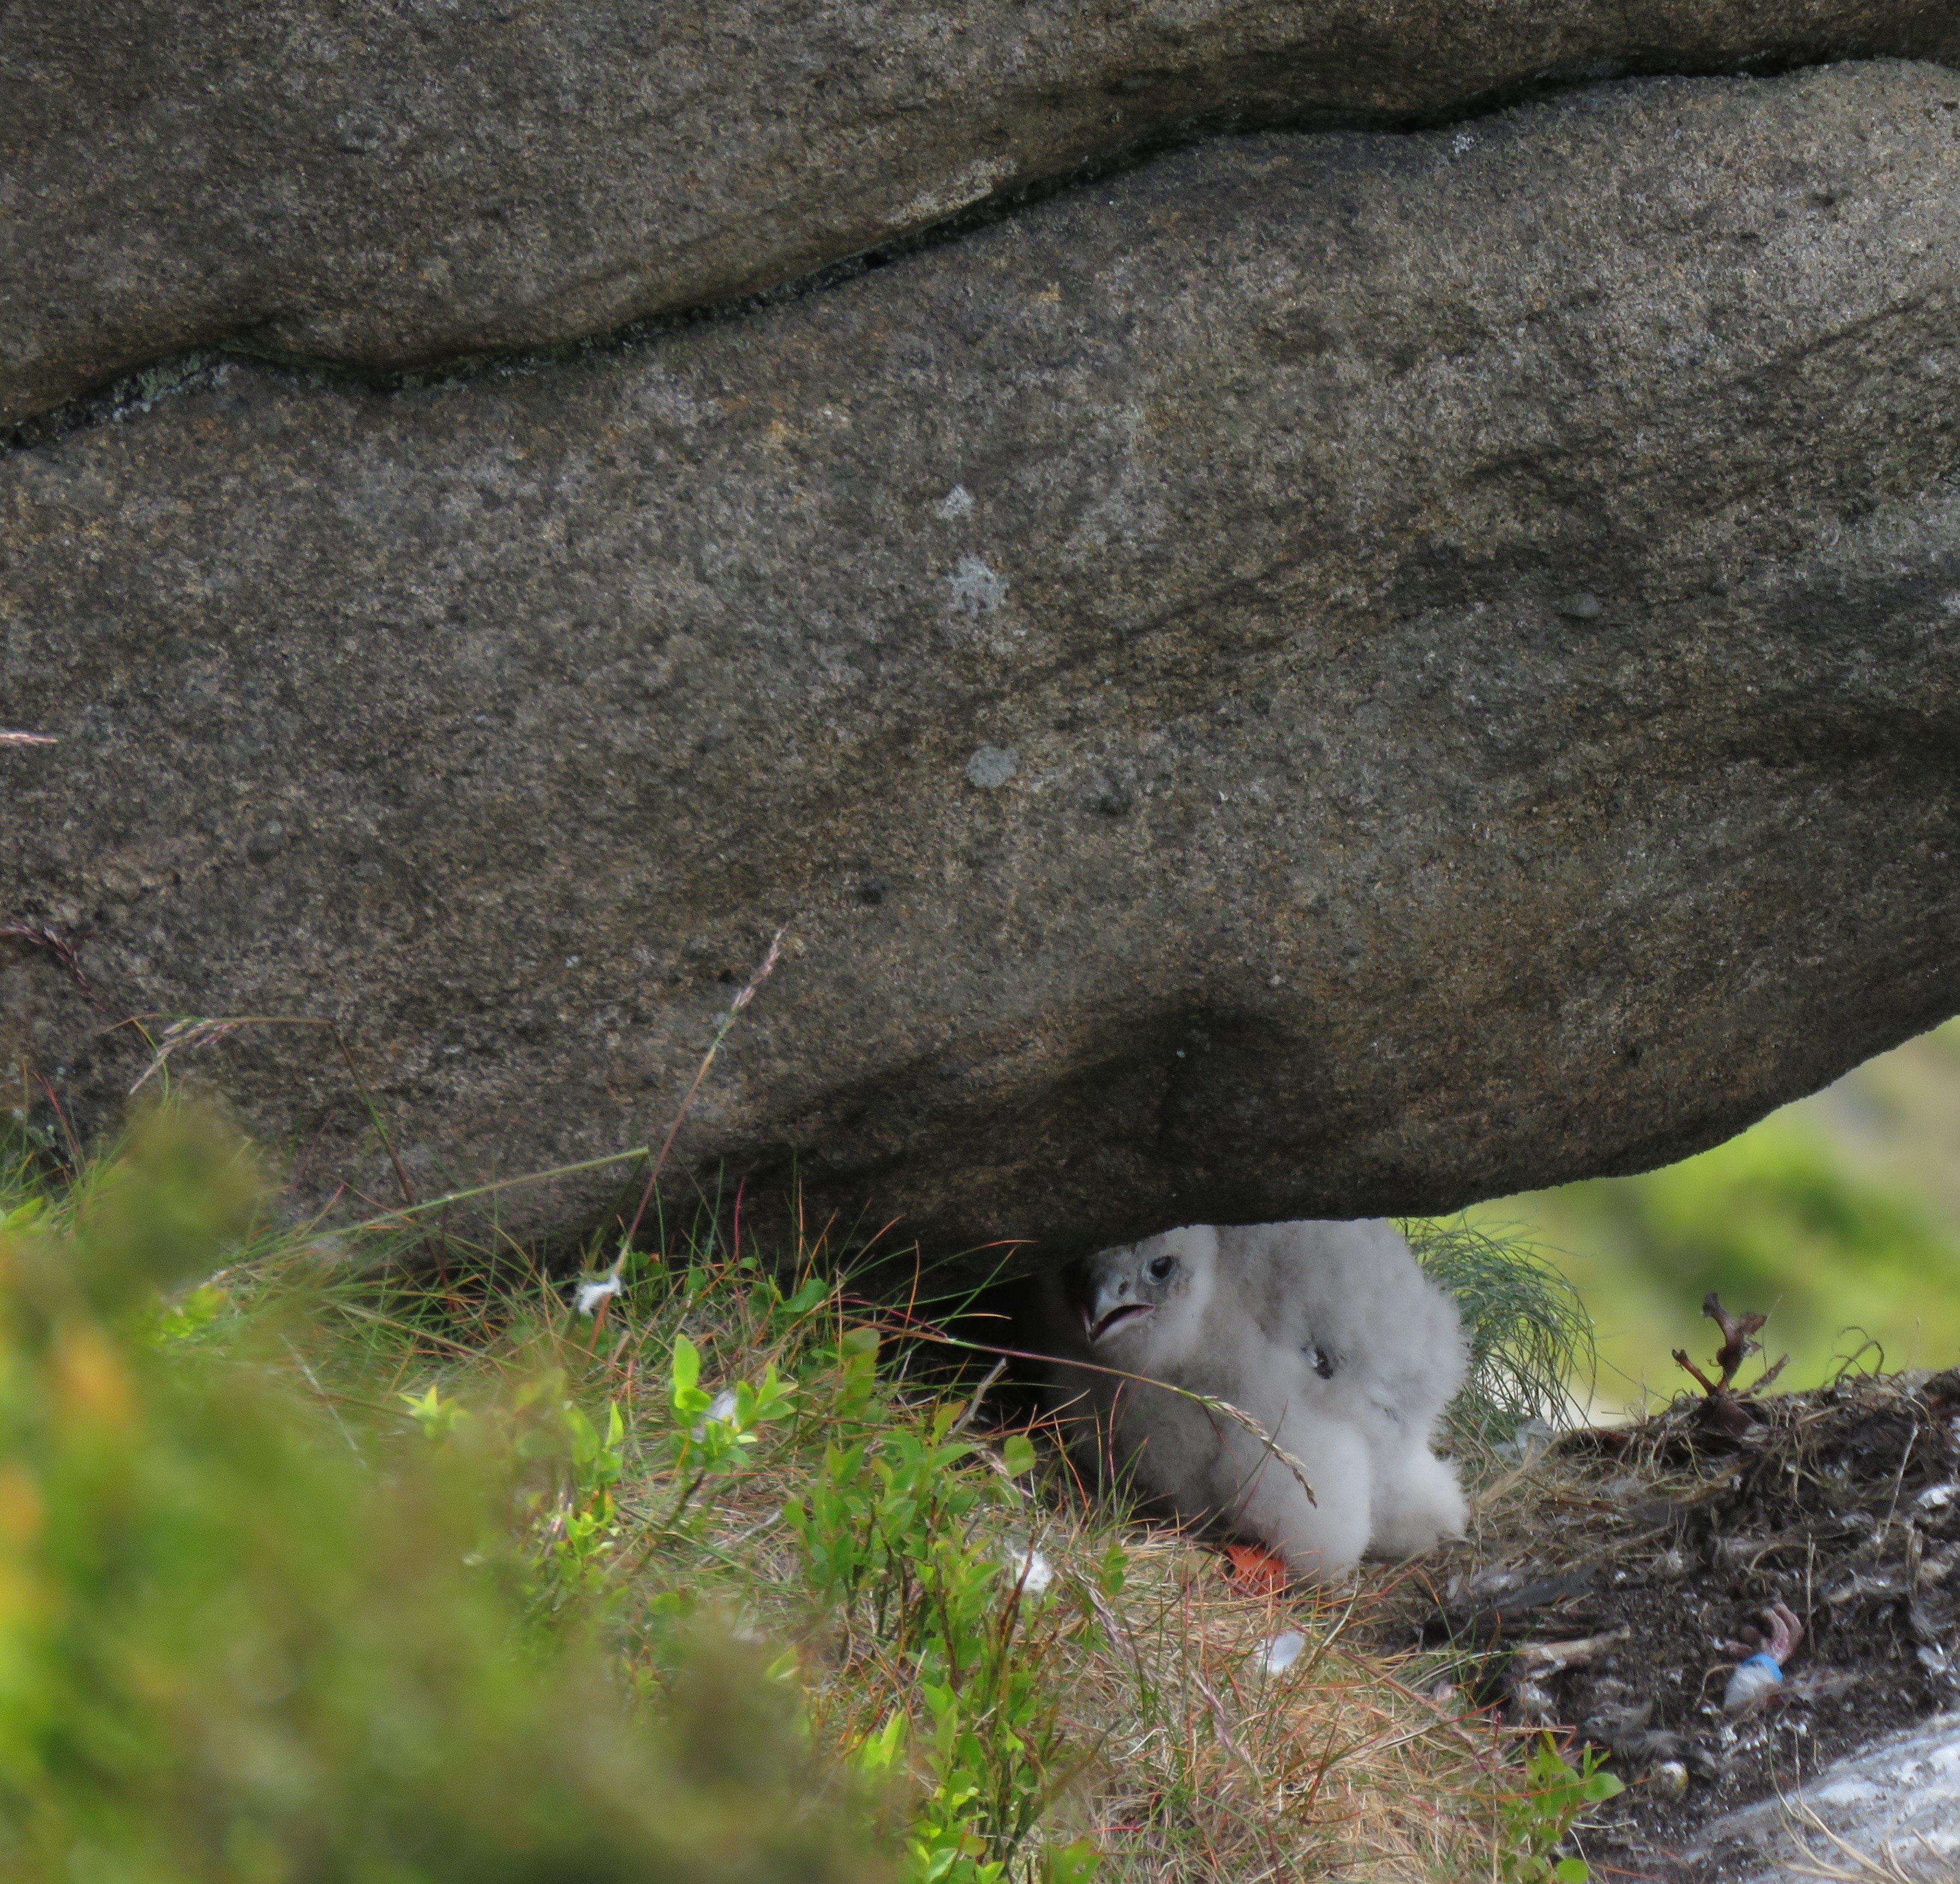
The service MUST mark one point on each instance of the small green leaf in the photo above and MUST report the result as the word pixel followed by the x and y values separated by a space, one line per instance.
pixel 181 1320
pixel 24 1215
pixel 1075 1863
pixel 814 1291
pixel 585 1440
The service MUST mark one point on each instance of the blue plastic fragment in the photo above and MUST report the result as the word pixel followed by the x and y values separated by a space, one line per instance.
pixel 1753 1679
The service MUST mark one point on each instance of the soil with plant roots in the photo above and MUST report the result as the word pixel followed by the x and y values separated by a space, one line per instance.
pixel 1612 1584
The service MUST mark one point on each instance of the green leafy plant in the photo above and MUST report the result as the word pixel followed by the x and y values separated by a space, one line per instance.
pixel 1537 1820
pixel 709 1584
pixel 893 1532
pixel 716 1428
pixel 577 1530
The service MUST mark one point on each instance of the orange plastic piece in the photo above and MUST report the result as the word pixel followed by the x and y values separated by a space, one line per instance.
pixel 1253 1570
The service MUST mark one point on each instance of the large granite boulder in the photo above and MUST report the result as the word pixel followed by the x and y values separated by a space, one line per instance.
pixel 1330 674
pixel 390 183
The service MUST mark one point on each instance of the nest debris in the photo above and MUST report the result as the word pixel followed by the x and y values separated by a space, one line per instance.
pixel 1610 1586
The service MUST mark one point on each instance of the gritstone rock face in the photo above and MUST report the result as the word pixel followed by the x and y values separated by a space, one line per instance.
pixel 387 185
pixel 1328 674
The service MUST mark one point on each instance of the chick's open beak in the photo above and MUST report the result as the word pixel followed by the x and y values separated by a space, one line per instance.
pixel 1108 1310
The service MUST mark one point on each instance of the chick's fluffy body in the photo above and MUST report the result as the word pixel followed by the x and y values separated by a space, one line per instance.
pixel 1327 1333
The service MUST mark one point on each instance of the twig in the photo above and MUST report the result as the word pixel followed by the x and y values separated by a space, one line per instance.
pixel 1240 1418
pixel 972 1406
pixel 392 1219
pixel 908 1325
pixel 1869 1870
pixel 1898 1477
pixel 312 1381
pixel 1707 1386
pixel 609 1282
pixel 1721 1408
pixel 762 973
pixel 1223 1725
pixel 1739 1333
pixel 374 1114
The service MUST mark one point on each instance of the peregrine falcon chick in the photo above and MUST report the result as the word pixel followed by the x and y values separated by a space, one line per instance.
pixel 1327 1333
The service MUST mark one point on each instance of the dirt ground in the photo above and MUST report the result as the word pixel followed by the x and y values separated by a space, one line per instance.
pixel 1603 1579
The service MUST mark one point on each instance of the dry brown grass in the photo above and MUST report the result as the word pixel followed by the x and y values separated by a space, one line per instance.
pixel 1194 1763
pixel 1186 1759
pixel 1174 1751
pixel 1209 1767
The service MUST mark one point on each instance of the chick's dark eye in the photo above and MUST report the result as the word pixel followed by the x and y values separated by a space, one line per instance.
pixel 1162 1269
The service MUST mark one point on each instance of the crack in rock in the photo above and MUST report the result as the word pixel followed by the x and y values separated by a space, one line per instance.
pixel 390 189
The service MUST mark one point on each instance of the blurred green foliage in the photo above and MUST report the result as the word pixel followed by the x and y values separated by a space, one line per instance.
pixel 362 1575
pixel 244 1641
pixel 1854 1254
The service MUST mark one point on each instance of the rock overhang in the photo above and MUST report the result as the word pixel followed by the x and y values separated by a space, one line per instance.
pixel 1441 679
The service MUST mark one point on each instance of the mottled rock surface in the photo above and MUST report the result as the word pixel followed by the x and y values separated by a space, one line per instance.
pixel 392 182
pixel 1891 1812
pixel 1331 674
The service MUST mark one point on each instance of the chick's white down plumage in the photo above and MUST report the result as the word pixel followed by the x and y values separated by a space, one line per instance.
pixel 1329 1335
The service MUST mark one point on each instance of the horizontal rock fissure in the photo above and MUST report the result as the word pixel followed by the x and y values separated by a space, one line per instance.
pixel 186 370
pixel 1255 687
